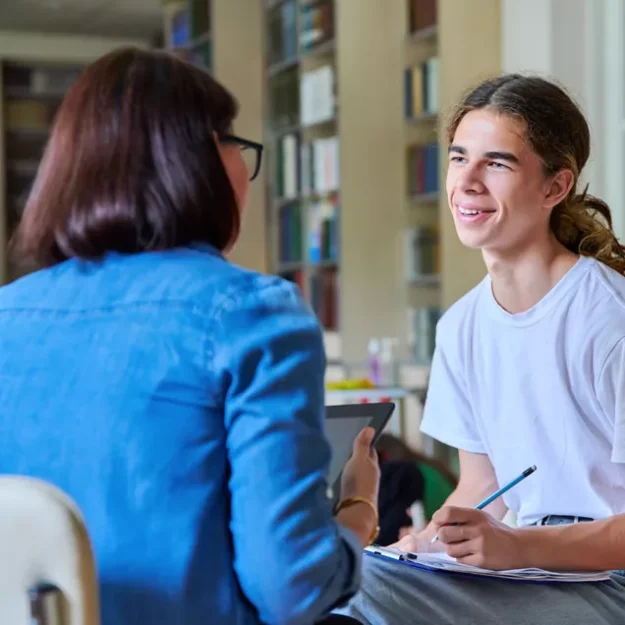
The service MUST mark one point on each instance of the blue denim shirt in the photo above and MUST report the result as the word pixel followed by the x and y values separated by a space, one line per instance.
pixel 179 400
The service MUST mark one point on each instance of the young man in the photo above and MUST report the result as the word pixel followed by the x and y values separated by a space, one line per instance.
pixel 529 369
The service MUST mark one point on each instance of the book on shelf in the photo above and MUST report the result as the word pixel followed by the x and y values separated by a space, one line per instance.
pixel 323 231
pixel 422 332
pixel 180 28
pixel 423 166
pixel 187 22
pixel 287 150
pixel 422 253
pixel 290 233
pixel 296 276
pixel 282 25
pixel 317 25
pixel 284 97
pixel 320 166
pixel 421 88
pixel 422 14
pixel 317 96
pixel 200 18
pixel 324 297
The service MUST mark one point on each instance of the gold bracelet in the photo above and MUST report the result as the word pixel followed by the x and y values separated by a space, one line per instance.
pixel 350 501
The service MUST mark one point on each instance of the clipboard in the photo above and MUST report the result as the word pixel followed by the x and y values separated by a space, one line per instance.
pixel 442 564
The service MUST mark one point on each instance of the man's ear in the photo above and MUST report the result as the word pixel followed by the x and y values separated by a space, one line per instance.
pixel 558 187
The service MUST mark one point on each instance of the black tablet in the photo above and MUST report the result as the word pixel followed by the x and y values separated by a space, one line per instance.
pixel 343 423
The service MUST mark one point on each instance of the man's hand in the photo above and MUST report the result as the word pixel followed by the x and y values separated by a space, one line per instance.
pixel 474 537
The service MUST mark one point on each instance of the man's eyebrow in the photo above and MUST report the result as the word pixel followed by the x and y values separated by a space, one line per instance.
pixel 457 148
pixel 495 154
pixel 502 156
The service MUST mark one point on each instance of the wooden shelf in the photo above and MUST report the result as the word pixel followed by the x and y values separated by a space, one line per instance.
pixel 326 48
pixel 424 118
pixel 194 43
pixel 279 202
pixel 422 35
pixel 424 198
pixel 290 266
pixel 426 281
pixel 282 66
pixel 25 131
pixel 24 93
pixel 285 130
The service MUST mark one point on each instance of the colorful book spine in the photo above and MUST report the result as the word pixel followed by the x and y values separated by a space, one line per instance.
pixel 323 231
pixel 323 297
pixel 319 161
pixel 421 89
pixel 423 169
pixel 422 253
pixel 422 14
pixel 180 28
pixel 422 332
pixel 317 96
pixel 290 233
pixel 287 186
pixel 317 25
pixel 288 25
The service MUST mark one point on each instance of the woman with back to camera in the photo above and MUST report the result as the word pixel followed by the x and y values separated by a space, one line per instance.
pixel 177 398
pixel 529 369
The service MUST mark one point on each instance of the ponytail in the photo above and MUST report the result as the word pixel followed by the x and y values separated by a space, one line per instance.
pixel 583 224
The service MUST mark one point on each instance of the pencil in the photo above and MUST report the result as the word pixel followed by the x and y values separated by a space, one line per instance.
pixel 500 492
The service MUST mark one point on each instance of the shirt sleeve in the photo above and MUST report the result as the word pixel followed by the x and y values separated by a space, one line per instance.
pixel 293 560
pixel 447 414
pixel 611 395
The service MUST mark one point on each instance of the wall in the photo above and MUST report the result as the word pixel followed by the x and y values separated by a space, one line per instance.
pixel 370 35
pixel 238 64
pixel 470 50
pixel 576 43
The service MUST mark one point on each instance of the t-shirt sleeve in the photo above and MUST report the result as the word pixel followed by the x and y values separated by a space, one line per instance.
pixel 447 415
pixel 611 395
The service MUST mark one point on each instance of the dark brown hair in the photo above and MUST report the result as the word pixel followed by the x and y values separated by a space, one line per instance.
pixel 559 134
pixel 132 164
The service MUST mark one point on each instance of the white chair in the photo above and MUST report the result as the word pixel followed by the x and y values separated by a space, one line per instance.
pixel 43 540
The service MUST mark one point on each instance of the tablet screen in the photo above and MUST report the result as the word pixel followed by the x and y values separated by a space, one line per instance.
pixel 341 433
pixel 342 425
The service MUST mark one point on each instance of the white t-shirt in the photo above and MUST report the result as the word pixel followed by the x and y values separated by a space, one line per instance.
pixel 544 387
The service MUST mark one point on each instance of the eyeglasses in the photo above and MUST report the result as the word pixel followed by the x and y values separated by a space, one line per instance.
pixel 252 152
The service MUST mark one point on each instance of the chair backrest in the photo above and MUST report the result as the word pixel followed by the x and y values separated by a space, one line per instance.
pixel 43 540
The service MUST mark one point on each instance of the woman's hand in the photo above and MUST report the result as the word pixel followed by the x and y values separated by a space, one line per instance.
pixel 361 478
pixel 476 538
pixel 418 543
pixel 361 475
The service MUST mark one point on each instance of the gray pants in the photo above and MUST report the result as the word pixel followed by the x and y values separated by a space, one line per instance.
pixel 395 594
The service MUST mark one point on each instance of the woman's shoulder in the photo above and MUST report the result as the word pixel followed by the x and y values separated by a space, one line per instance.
pixel 203 278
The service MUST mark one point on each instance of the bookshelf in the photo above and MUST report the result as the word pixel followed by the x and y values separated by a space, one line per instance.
pixel 304 150
pixel 31 92
pixel 188 30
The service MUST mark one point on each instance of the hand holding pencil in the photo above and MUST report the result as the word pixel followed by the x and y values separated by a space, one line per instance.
pixel 474 537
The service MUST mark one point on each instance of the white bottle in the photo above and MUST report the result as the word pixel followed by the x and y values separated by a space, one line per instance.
pixel 387 361
pixel 418 516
